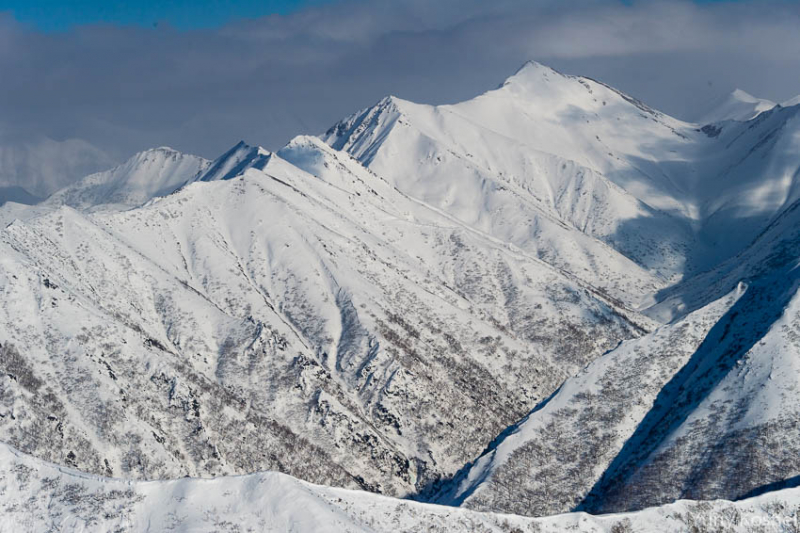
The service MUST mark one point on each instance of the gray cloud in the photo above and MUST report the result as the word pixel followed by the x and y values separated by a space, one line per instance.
pixel 126 89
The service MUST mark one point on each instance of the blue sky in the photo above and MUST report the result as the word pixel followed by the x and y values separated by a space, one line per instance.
pixel 59 15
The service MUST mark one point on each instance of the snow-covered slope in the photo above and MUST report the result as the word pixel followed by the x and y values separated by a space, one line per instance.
pixel 39 497
pixel 791 102
pixel 549 461
pixel 681 201
pixel 547 160
pixel 234 162
pixel 705 407
pixel 738 105
pixel 144 176
pixel 732 416
pixel 558 165
pixel 303 317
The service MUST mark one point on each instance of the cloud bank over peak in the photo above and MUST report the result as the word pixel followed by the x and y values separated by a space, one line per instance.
pixel 124 89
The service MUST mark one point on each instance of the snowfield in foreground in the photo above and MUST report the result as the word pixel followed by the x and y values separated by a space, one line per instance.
pixel 37 496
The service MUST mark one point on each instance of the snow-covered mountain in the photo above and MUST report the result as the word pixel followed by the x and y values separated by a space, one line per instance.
pixel 155 173
pixel 234 162
pixel 738 105
pixel 144 176
pixel 548 298
pixel 547 160
pixel 584 425
pixel 304 313
pixel 723 196
pixel 552 163
pixel 702 408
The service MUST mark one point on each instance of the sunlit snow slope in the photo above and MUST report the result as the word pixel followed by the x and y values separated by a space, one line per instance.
pixel 567 167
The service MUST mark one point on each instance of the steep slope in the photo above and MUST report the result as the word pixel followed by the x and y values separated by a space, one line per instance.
pixel 316 322
pixel 752 174
pixel 727 424
pixel 39 497
pixel 144 176
pixel 733 416
pixel 791 102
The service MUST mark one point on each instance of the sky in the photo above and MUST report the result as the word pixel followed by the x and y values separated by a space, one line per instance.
pixel 63 15
pixel 86 83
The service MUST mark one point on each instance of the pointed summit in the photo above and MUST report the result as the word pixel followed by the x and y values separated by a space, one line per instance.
pixel 532 74
pixel 531 71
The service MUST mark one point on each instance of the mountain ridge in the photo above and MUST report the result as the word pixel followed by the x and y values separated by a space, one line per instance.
pixel 447 302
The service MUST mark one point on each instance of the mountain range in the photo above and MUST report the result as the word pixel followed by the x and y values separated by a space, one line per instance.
pixel 548 299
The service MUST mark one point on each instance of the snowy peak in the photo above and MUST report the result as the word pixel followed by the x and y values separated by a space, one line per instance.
pixel 592 158
pixel 738 105
pixel 363 132
pixel 235 161
pixel 299 291
pixel 146 175
pixel 157 172
pixel 542 155
pixel 544 85
pixel 530 73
